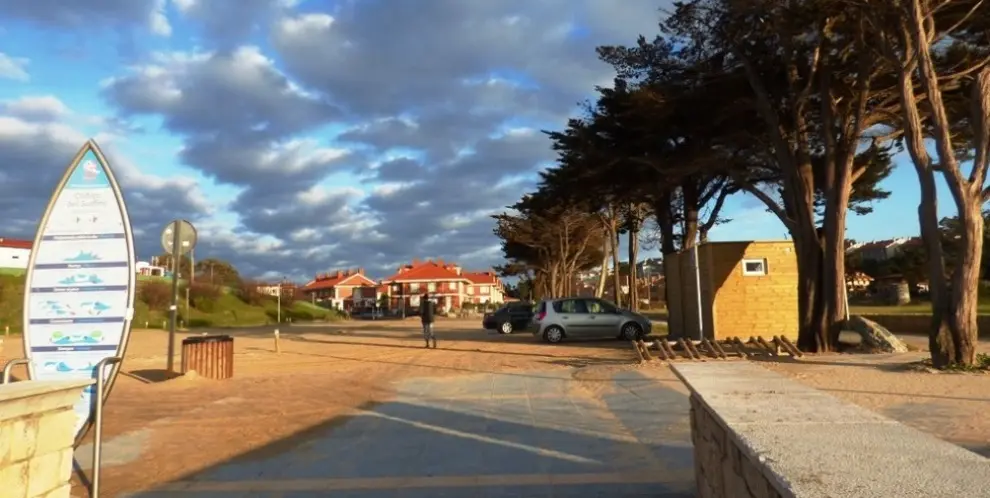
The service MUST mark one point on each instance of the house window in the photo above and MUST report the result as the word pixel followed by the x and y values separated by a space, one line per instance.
pixel 754 267
pixel 432 287
pixel 470 290
pixel 414 287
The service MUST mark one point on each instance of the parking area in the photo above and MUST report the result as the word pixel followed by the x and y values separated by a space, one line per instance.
pixel 362 409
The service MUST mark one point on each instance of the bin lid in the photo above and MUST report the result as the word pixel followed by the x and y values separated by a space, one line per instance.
pixel 207 338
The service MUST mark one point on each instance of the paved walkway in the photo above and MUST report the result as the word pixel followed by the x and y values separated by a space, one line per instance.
pixel 491 435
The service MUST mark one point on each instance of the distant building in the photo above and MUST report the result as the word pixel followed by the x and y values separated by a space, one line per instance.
pixel 14 253
pixel 446 282
pixel 150 270
pixel 335 289
pixel 882 250
pixel 485 288
pixel 288 289
pixel 858 281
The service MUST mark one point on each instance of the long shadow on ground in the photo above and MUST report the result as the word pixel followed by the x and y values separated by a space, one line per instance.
pixel 477 435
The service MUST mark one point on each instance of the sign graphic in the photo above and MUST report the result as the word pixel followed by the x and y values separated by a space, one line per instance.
pixel 80 294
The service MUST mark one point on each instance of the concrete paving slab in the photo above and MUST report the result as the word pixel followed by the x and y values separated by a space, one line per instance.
pixel 457 437
pixel 799 451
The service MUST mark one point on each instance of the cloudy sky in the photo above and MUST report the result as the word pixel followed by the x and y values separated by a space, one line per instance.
pixel 301 136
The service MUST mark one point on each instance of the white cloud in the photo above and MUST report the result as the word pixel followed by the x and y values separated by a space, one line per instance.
pixel 13 68
pixel 36 108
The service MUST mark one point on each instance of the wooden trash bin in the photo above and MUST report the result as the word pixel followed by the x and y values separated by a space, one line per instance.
pixel 210 356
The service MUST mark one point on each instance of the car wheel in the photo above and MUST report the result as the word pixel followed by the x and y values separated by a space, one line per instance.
pixel 505 328
pixel 631 331
pixel 553 335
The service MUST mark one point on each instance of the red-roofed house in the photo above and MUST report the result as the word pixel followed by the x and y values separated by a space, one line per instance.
pixel 485 287
pixel 444 282
pixel 336 288
pixel 365 297
pixel 14 253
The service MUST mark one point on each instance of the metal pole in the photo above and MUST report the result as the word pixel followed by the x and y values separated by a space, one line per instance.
pixel 9 367
pixel 174 310
pixel 278 315
pixel 94 489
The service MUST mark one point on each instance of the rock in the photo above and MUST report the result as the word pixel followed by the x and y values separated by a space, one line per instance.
pixel 875 335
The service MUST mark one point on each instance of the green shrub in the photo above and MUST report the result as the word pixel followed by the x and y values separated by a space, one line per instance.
pixel 204 297
pixel 199 323
pixel 157 295
pixel 12 302
pixel 247 291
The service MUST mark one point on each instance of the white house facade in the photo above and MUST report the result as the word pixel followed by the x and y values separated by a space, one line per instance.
pixel 14 253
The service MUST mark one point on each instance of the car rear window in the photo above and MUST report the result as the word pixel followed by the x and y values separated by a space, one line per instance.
pixel 542 308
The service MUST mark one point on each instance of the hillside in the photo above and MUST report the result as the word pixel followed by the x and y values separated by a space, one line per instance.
pixel 209 306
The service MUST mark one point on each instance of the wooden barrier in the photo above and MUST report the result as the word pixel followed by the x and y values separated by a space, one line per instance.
pixel 210 356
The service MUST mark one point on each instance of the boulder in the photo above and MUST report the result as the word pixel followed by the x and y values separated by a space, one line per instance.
pixel 875 335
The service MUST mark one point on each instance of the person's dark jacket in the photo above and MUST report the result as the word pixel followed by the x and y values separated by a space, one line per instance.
pixel 427 311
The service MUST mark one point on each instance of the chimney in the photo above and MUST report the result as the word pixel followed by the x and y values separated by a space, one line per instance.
pixel 415 261
pixel 360 271
pixel 457 270
pixel 439 261
pixel 340 274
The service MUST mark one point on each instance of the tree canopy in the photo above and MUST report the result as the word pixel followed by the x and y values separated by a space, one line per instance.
pixel 801 104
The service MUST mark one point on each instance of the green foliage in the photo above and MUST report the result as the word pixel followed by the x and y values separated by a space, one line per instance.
pixel 204 296
pixel 156 295
pixel 247 291
pixel 217 272
pixel 12 302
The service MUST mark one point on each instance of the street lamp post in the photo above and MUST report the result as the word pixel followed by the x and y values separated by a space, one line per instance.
pixel 278 315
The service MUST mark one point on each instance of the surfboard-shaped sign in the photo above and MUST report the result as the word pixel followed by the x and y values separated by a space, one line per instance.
pixel 79 292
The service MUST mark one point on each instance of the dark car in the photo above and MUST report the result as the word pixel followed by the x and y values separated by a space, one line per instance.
pixel 512 316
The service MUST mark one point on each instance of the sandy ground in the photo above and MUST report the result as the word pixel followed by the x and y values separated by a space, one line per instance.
pixel 321 374
pixel 325 373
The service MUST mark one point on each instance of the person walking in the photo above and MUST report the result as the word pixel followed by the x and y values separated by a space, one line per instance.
pixel 427 313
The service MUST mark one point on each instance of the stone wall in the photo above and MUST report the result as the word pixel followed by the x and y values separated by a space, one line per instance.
pixel 758 434
pixel 36 436
pixel 721 468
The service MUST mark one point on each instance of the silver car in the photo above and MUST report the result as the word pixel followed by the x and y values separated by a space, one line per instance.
pixel 578 317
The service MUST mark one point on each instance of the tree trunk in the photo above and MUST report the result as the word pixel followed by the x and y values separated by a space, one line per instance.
pixel 616 278
pixel 606 247
pixel 834 265
pixel 940 337
pixel 633 255
pixel 691 200
pixel 966 282
pixel 810 310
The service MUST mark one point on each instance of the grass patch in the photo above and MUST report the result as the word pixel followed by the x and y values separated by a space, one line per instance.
pixel 225 310
pixel 920 308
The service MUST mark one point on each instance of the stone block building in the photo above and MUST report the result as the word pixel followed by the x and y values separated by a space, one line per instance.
pixel 727 289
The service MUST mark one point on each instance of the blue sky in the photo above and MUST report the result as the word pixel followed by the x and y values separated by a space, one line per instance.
pixel 306 136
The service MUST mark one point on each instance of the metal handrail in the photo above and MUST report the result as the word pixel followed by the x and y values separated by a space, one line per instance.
pixel 9 367
pixel 94 484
